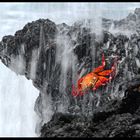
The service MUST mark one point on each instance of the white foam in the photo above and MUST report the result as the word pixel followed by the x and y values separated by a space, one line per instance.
pixel 17 98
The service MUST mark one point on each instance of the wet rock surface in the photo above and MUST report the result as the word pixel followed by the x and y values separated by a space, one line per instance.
pixel 116 119
pixel 53 55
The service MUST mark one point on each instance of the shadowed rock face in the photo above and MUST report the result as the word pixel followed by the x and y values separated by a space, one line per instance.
pixel 115 119
pixel 53 55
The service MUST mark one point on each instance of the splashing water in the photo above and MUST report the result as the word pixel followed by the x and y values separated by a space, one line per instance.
pixel 17 97
pixel 18 120
pixel 67 59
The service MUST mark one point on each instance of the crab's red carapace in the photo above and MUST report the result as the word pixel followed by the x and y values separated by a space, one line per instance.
pixel 93 80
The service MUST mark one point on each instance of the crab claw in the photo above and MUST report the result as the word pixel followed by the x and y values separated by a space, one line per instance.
pixel 100 68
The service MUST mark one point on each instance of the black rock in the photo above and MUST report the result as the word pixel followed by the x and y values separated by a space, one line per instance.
pixel 112 110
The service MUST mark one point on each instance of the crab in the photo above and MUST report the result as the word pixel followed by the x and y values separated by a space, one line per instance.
pixel 96 78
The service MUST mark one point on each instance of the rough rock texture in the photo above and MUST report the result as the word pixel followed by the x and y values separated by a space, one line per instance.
pixel 130 23
pixel 53 55
pixel 116 119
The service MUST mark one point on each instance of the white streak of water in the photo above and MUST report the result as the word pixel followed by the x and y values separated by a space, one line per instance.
pixel 17 98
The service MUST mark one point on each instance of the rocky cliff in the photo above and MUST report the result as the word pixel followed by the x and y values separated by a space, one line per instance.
pixel 53 56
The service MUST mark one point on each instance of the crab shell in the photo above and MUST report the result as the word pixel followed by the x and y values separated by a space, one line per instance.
pixel 93 80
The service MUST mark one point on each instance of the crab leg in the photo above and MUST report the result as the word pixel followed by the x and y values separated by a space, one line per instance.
pixel 102 81
pixel 74 91
pixel 100 68
pixel 79 83
pixel 108 72
pixel 81 93
pixel 105 73
pixel 98 84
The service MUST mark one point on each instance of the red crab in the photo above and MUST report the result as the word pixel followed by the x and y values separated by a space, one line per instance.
pixel 93 80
